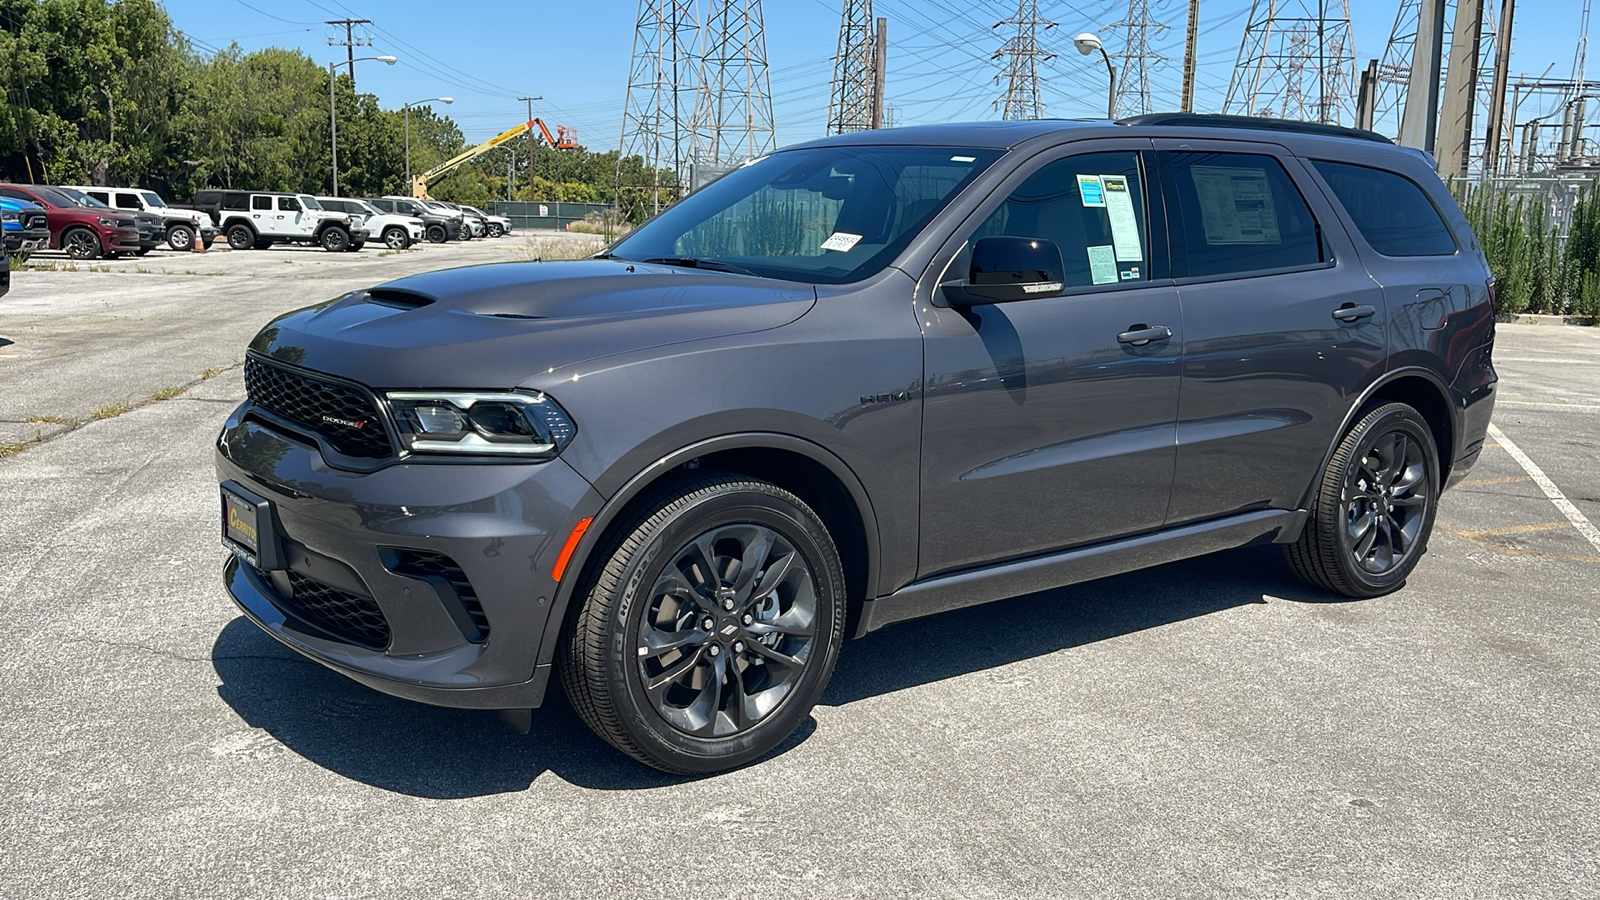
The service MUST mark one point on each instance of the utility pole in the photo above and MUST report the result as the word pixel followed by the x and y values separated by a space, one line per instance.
pixel 1497 101
pixel 1022 100
pixel 530 148
pixel 1420 122
pixel 850 106
pixel 1460 93
pixel 350 43
pixel 1191 39
pixel 880 54
pixel 1367 99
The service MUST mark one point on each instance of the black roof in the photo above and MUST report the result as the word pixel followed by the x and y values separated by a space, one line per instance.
pixel 1256 123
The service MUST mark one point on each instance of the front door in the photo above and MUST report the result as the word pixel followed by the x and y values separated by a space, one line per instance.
pixel 1283 327
pixel 1049 423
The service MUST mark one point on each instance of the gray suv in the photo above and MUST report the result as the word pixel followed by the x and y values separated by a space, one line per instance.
pixel 864 379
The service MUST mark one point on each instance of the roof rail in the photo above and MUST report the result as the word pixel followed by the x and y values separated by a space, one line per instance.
pixel 1212 120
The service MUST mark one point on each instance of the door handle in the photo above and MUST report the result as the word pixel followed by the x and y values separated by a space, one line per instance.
pixel 1139 335
pixel 1351 312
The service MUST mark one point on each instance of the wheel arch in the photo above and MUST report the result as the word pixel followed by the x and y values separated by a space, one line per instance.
pixel 1422 390
pixel 231 221
pixel 801 467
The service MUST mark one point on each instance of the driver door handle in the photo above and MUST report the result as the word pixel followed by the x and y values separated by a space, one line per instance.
pixel 1351 313
pixel 1139 335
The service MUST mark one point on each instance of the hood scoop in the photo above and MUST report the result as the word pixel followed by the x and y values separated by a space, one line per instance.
pixel 397 299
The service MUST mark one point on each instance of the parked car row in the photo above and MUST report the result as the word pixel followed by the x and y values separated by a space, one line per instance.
pixel 89 222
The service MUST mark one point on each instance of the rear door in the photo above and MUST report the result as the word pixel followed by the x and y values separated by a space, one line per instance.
pixel 1283 327
pixel 1044 425
pixel 263 215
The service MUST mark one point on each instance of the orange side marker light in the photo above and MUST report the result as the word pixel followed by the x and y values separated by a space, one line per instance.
pixel 569 546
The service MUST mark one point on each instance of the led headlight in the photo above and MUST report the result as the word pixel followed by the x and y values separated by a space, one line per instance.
pixel 111 223
pixel 481 424
pixel 10 216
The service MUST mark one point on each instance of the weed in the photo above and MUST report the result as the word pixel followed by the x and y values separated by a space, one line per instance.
pixel 12 449
pixel 209 374
pixel 167 393
pixel 552 248
pixel 141 270
pixel 110 411
pixel 52 420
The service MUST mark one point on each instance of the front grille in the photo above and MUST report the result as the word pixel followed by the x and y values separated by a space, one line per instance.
pixel 345 415
pixel 36 220
pixel 341 614
pixel 425 563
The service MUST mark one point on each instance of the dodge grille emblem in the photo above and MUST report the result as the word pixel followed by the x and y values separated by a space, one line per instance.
pixel 345 422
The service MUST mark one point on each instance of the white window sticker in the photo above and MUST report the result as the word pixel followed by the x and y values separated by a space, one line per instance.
pixel 841 240
pixel 1124 222
pixel 1091 190
pixel 1102 264
pixel 963 159
pixel 1235 205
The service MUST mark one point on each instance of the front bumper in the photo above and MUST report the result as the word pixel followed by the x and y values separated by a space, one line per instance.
pixel 503 525
pixel 27 240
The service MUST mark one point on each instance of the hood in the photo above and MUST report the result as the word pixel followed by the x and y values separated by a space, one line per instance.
pixel 498 326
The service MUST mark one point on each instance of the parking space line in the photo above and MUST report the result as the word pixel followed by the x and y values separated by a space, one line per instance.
pixel 1509 479
pixel 1531 404
pixel 1573 514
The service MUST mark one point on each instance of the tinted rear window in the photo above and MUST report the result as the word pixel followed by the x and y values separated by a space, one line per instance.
pixel 1389 210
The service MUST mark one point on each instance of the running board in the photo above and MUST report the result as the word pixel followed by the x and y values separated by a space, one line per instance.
pixel 1025 576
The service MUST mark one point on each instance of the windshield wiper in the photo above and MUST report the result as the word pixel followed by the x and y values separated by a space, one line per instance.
pixel 695 262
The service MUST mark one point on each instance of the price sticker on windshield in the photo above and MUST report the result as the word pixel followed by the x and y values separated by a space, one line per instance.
pixel 841 241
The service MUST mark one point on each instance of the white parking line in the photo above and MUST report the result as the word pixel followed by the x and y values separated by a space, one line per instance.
pixel 1533 404
pixel 1573 514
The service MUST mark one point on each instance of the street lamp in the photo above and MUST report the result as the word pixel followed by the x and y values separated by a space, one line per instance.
pixel 407 109
pixel 333 120
pixel 1088 43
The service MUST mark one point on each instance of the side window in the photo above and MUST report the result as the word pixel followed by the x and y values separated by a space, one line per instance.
pixel 231 201
pixel 288 204
pixel 99 195
pixel 258 202
pixel 1092 207
pixel 1239 213
pixel 125 201
pixel 14 195
pixel 1389 210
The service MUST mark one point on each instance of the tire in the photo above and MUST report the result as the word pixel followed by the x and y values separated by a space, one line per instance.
pixel 1374 506
pixel 395 238
pixel 143 251
pixel 355 246
pixel 437 234
pixel 334 240
pixel 81 243
pixel 241 237
pixel 262 243
pixel 646 592
pixel 180 237
pixel 494 230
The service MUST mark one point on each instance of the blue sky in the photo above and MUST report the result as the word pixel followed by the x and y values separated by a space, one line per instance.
pixel 485 54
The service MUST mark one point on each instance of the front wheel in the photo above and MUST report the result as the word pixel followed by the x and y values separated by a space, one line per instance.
pixel 180 237
pixel 81 243
pixel 437 234
pixel 334 240
pixel 1374 506
pixel 395 238
pixel 240 237
pixel 712 628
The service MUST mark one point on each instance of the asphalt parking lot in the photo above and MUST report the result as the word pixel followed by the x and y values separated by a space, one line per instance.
pixel 1207 728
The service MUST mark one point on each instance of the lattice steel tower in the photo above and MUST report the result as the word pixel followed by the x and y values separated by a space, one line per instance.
pixel 663 83
pixel 850 108
pixel 1394 67
pixel 1297 61
pixel 1022 69
pixel 733 116
pixel 1133 79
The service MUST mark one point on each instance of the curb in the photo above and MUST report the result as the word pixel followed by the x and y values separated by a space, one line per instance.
pixel 1543 319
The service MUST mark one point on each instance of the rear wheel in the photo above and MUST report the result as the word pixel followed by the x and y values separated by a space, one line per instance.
pixel 241 237
pixel 180 237
pixel 81 243
pixel 712 628
pixel 395 238
pixel 334 240
pixel 1374 507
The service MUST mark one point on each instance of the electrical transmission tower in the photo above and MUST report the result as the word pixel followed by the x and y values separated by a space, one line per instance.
pixel 1394 67
pixel 1022 70
pixel 1298 43
pixel 663 82
pixel 854 70
pixel 1133 81
pixel 733 116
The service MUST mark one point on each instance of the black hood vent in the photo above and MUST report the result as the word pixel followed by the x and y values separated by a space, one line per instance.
pixel 398 299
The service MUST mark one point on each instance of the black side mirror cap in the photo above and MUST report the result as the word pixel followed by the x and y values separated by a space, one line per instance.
pixel 1007 268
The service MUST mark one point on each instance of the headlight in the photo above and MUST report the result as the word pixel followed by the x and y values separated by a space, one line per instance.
pixel 111 223
pixel 10 217
pixel 481 424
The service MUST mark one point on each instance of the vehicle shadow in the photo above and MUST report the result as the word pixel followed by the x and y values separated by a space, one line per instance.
pixel 426 751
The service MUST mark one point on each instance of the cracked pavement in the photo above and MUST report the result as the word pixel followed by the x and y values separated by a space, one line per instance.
pixel 1207 728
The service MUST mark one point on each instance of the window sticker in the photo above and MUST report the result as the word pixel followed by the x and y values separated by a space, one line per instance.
pixel 1103 264
pixel 1092 190
pixel 1124 222
pixel 963 159
pixel 1235 205
pixel 841 240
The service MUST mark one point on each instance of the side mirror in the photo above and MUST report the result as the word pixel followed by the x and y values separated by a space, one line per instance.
pixel 1007 268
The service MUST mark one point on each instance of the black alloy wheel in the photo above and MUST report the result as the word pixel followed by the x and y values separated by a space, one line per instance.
pixel 240 237
pixel 335 239
pixel 437 234
pixel 1375 504
pixel 711 630
pixel 180 237
pixel 395 238
pixel 81 243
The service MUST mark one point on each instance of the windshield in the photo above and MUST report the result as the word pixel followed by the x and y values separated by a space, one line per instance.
pixel 825 215
pixel 309 202
pixel 151 198
pixel 79 198
pixel 366 207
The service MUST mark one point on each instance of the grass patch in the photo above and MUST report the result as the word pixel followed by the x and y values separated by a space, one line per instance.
pixel 167 393
pixel 52 420
pixel 110 411
pixel 554 248
pixel 209 374
pixel 13 449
